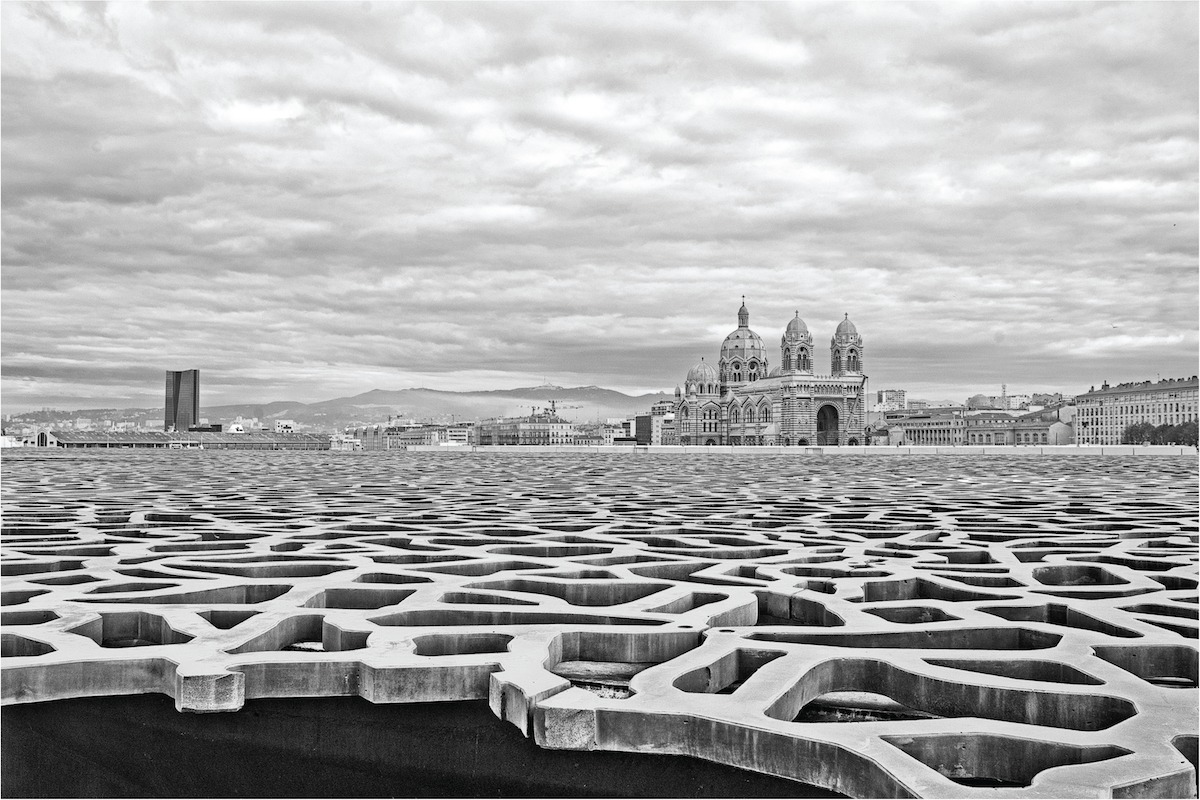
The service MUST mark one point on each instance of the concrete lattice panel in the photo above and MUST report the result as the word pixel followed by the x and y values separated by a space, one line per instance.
pixel 915 626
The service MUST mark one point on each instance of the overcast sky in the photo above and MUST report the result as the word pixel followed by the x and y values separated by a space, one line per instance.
pixel 311 200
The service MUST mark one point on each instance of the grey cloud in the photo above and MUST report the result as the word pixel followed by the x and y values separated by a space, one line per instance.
pixel 467 191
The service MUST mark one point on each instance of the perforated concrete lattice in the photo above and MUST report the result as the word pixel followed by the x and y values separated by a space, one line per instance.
pixel 916 626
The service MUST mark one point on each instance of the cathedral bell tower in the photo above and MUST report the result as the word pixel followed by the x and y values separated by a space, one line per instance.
pixel 846 350
pixel 796 347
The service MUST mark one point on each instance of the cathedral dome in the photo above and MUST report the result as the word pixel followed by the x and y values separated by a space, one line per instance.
pixel 703 372
pixel 743 344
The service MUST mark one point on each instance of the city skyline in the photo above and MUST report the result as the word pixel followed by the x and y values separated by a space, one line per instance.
pixel 312 201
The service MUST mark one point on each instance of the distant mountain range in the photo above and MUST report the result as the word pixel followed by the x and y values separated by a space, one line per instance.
pixel 579 404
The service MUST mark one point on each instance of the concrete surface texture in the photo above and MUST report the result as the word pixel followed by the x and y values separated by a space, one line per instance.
pixel 916 627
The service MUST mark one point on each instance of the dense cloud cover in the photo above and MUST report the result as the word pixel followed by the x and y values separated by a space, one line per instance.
pixel 310 200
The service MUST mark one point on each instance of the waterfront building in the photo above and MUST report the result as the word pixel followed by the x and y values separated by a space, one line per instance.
pixel 1103 414
pixel 990 427
pixel 944 427
pixel 662 422
pixel 370 437
pixel 667 432
pixel 1045 426
pixel 743 401
pixel 657 427
pixel 641 428
pixel 179 440
pixel 955 425
pixel 612 431
pixel 545 428
pixel 183 400
pixel 1051 426
pixel 448 435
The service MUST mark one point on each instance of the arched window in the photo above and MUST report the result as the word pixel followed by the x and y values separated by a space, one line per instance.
pixel 765 414
pixel 787 359
pixel 749 415
pixel 852 361
pixel 734 416
pixel 805 362
pixel 683 412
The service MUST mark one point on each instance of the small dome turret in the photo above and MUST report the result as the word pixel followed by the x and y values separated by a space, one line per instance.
pixel 846 328
pixel 702 372
pixel 796 327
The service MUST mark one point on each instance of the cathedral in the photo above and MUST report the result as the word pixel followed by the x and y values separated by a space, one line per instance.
pixel 743 401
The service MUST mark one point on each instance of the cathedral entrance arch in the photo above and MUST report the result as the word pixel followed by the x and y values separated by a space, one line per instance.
pixel 710 442
pixel 827 426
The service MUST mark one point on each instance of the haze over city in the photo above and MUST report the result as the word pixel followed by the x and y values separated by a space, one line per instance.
pixel 307 201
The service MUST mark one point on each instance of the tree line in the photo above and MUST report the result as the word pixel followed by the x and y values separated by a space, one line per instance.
pixel 1146 433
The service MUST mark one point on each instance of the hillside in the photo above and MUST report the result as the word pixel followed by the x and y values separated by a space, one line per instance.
pixel 579 404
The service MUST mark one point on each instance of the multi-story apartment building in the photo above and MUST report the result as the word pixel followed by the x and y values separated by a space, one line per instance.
pixel 1103 414
pixel 183 400
pixel 535 429
pixel 891 400
pixel 657 427
pixel 611 431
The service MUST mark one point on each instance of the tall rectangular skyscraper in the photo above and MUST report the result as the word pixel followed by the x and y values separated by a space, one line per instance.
pixel 183 400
